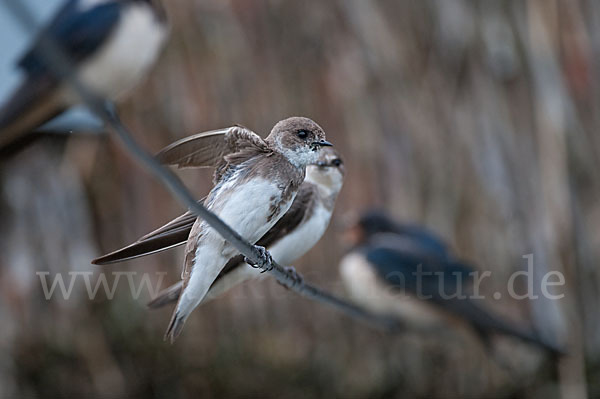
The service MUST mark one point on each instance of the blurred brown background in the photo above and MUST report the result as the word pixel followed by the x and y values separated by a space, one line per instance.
pixel 475 118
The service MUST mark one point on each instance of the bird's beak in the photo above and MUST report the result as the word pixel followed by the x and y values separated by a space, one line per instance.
pixel 321 143
pixel 353 236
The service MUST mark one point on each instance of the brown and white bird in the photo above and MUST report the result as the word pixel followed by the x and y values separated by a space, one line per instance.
pixel 256 181
pixel 293 235
pixel 111 45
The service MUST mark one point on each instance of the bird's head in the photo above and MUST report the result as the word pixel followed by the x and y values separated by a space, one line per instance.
pixel 369 223
pixel 328 172
pixel 377 221
pixel 299 140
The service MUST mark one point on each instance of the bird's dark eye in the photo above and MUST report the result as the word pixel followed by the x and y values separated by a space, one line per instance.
pixel 302 134
pixel 336 162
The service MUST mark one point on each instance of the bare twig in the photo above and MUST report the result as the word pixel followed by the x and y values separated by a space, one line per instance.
pixel 105 110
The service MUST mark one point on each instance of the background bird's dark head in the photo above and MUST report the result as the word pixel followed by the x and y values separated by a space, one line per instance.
pixel 369 223
pixel 377 221
pixel 299 139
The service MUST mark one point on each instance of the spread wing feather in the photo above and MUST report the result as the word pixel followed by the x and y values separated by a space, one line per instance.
pixel 171 235
pixel 210 149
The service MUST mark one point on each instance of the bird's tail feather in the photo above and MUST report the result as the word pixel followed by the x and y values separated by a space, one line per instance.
pixel 175 326
pixel 185 306
pixel 167 296
pixel 484 321
pixel 31 105
pixel 197 284
pixel 528 335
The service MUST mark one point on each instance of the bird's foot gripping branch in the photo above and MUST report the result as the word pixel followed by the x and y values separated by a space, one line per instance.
pixel 265 260
pixel 297 276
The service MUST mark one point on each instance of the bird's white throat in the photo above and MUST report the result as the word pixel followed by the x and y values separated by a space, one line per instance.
pixel 300 157
pixel 328 180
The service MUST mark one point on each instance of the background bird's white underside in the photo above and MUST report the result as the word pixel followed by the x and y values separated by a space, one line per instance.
pixel 123 61
pixel 365 286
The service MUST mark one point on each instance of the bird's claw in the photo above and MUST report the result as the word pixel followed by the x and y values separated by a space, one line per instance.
pixel 295 275
pixel 265 261
pixel 291 270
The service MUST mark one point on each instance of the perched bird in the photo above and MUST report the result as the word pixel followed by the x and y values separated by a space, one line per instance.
pixel 111 44
pixel 256 180
pixel 292 236
pixel 408 272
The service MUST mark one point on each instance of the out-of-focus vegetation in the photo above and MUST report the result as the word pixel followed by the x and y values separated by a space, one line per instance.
pixel 476 118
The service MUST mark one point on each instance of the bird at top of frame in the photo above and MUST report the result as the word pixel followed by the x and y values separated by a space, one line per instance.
pixel 111 44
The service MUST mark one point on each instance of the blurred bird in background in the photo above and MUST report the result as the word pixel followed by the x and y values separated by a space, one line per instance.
pixel 408 272
pixel 292 236
pixel 256 180
pixel 111 44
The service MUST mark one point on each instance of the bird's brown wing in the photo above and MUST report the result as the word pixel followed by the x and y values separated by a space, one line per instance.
pixel 209 149
pixel 172 234
pixel 301 209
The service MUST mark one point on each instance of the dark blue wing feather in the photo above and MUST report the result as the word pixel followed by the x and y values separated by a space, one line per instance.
pixel 427 240
pixel 417 273
pixel 79 33
pixel 406 265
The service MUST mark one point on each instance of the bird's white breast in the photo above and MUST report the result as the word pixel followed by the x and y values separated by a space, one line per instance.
pixel 128 54
pixel 247 207
pixel 285 251
pixel 366 288
pixel 299 241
